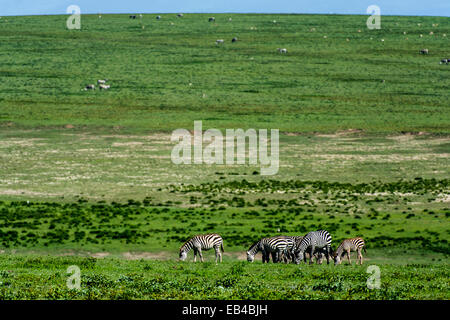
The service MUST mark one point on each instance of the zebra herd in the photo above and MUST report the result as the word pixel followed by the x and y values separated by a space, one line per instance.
pixel 315 244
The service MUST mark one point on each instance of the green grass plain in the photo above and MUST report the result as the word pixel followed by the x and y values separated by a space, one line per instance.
pixel 86 177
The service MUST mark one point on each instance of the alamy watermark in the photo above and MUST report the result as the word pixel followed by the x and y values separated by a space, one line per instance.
pixel 374 280
pixel 213 152
pixel 74 20
pixel 74 281
pixel 374 21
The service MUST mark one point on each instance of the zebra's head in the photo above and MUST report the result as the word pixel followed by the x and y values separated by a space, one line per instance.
pixel 250 256
pixel 183 255
pixel 337 258
pixel 298 257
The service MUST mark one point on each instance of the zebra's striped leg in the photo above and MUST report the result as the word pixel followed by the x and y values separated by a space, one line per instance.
pixel 328 254
pixel 360 256
pixel 311 255
pixel 200 254
pixel 195 255
pixel 274 257
pixel 218 254
pixel 348 256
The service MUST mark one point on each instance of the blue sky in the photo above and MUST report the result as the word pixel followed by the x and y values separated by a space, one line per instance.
pixel 388 7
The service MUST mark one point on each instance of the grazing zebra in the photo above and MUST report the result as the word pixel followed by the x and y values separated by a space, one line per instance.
pixel 274 246
pixel 314 240
pixel 290 254
pixel 202 242
pixel 319 254
pixel 354 244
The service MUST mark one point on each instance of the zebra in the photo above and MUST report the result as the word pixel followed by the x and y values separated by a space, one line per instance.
pixel 290 253
pixel 205 242
pixel 319 254
pixel 274 246
pixel 354 244
pixel 313 240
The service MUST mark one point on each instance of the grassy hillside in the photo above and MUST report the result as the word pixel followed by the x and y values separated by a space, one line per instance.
pixel 165 73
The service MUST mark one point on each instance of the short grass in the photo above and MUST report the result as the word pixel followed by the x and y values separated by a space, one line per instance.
pixel 28 277
pixel 165 73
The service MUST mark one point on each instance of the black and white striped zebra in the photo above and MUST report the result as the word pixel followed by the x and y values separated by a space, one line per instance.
pixel 319 254
pixel 289 254
pixel 202 242
pixel 274 246
pixel 354 244
pixel 312 242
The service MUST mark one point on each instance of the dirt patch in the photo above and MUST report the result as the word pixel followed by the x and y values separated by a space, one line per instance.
pixel 10 192
pixel 163 255
pixel 236 255
pixel 100 254
pixel 127 144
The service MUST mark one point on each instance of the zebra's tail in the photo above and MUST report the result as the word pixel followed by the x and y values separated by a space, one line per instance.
pixel 221 247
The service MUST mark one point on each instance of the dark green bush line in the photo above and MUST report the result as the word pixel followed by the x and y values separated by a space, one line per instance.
pixel 418 185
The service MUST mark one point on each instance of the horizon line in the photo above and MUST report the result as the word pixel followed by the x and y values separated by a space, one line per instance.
pixel 262 13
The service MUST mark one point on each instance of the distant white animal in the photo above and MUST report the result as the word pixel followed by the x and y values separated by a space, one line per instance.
pixel 234 39
pixel 158 17
pixel 446 61
pixel 102 81
pixel 180 15
pixel 423 51
pixel 282 50
pixel 104 86
pixel 212 19
pixel 219 41
pixel 89 87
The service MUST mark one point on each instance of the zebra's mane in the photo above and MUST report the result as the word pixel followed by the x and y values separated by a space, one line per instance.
pixel 185 244
pixel 252 247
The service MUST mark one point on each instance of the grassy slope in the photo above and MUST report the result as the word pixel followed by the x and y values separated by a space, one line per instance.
pixel 322 84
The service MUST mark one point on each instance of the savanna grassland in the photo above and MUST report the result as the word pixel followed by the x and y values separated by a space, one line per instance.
pixel 86 177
